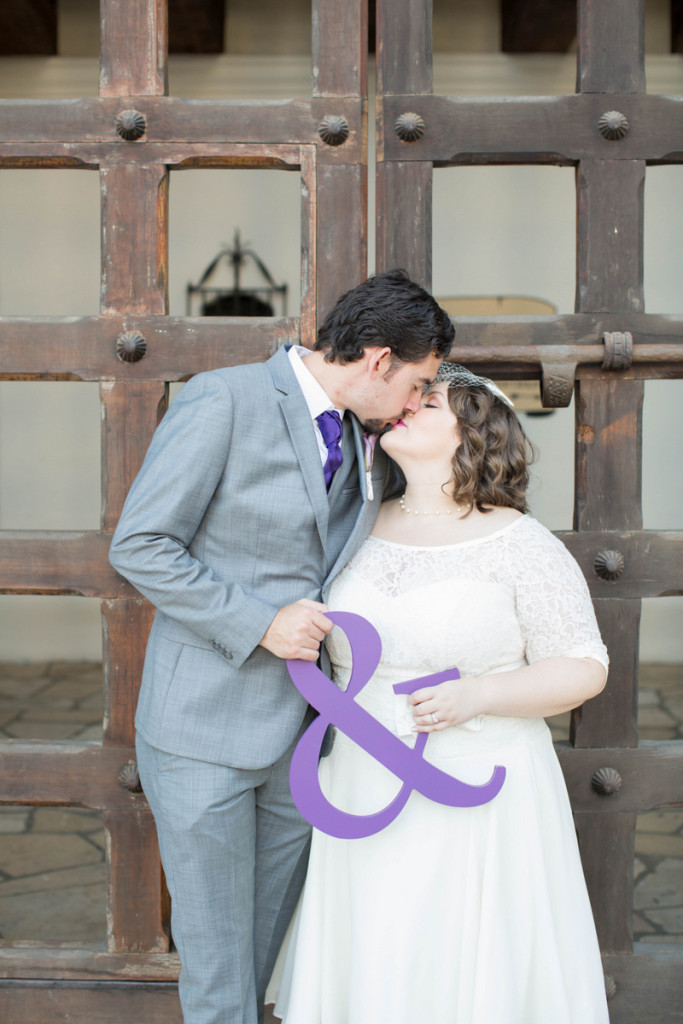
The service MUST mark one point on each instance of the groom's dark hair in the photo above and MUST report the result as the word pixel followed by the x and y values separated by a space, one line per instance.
pixel 387 309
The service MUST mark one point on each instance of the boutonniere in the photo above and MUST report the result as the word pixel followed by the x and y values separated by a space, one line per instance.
pixel 369 442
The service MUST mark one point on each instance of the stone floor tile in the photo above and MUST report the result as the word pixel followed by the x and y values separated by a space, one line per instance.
pixel 661 888
pixel 670 920
pixel 660 821
pixel 674 705
pixel 658 733
pixel 21 689
pixel 40 713
pixel 8 716
pixel 657 845
pixel 70 689
pixel 70 669
pixel 77 913
pixel 50 881
pixel 662 677
pixel 641 926
pixel 90 732
pixel 23 669
pixel 13 820
pixel 59 730
pixel 66 819
pixel 94 701
pixel 654 717
pixel 638 867
pixel 28 854
pixel 559 727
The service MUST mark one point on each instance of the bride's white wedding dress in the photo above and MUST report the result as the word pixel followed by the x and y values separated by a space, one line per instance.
pixel 453 915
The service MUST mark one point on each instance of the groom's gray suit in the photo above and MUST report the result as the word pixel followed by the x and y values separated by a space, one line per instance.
pixel 228 522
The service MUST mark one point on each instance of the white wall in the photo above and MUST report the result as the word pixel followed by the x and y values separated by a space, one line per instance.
pixel 497 231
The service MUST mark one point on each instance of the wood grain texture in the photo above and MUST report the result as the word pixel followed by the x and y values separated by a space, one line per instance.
pixel 404 47
pixel 606 844
pixel 134 887
pixel 131 411
pixel 54 962
pixel 653 561
pixel 84 348
pixel 652 775
pixel 340 48
pixel 47 126
pixel 134 221
pixel 404 219
pixel 649 985
pixel 133 44
pixel 126 626
pixel 557 130
pixel 341 232
pixel 608 455
pixel 64 773
pixel 610 718
pixel 106 1003
pixel 610 199
pixel 59 562
pixel 611 46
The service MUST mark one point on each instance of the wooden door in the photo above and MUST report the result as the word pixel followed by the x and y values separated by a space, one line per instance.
pixel 135 135
pixel 610 130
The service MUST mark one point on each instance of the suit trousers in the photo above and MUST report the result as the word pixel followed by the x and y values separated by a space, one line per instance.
pixel 234 849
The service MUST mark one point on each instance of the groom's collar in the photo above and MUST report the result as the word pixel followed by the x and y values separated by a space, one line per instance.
pixel 317 399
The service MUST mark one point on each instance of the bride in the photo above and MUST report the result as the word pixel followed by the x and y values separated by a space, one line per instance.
pixel 456 915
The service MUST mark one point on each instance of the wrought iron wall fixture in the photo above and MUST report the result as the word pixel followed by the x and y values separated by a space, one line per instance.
pixel 236 301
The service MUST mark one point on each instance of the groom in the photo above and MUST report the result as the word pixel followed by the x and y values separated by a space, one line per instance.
pixel 254 492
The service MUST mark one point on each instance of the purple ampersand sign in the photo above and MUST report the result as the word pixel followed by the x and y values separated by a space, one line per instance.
pixel 338 707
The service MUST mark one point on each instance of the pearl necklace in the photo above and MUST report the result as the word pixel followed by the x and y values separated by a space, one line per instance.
pixel 414 512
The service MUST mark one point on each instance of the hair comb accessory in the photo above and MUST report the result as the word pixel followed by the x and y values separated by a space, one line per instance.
pixel 457 376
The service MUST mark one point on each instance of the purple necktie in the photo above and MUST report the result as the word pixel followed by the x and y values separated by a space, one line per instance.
pixel 331 430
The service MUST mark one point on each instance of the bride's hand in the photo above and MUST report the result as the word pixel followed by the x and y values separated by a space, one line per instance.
pixel 439 707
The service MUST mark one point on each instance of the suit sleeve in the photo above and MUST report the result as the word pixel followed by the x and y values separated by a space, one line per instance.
pixel 163 512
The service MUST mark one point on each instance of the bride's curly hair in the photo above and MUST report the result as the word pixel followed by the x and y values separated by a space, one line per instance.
pixel 491 463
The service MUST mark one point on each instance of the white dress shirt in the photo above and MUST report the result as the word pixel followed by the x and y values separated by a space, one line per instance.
pixel 316 397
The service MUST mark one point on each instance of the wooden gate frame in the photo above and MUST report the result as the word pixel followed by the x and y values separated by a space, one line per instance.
pixel 609 131
pixel 133 133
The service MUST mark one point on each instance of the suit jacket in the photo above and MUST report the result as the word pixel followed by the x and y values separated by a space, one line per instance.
pixel 227 522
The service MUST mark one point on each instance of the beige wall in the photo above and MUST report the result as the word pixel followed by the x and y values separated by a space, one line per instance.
pixel 497 231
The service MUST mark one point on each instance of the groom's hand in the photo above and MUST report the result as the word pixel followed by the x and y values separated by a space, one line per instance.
pixel 298 630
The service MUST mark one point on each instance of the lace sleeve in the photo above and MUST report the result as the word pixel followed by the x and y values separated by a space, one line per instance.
pixel 554 607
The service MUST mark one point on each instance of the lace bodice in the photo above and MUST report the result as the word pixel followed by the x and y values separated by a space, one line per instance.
pixel 498 602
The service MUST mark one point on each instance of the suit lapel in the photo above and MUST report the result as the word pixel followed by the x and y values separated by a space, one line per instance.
pixel 360 456
pixel 302 434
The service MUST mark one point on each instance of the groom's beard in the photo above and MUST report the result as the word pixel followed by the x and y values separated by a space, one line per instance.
pixel 377 426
